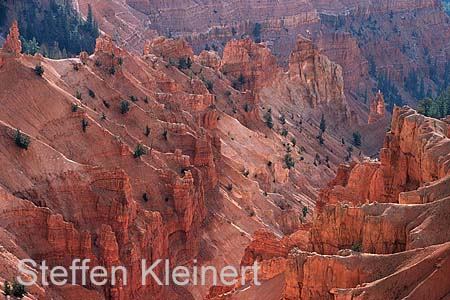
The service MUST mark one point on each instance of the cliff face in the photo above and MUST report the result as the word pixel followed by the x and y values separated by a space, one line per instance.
pixel 364 251
pixel 366 38
pixel 211 172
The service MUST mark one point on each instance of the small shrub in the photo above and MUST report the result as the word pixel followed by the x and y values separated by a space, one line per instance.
pixel 75 67
pixel 282 119
pixel 268 119
pixel 284 132
pixel 146 100
pixel 357 139
pixel 103 116
pixel 320 139
pixel 91 93
pixel 269 163
pixel 230 187
pixel 112 70
pixel 18 290
pixel 106 104
pixel 164 134
pixel 84 125
pixel 322 125
pixel 184 63
pixel 133 98
pixel 357 246
pixel 317 159
pixel 147 131
pixel 145 197
pixel 124 107
pixel 290 163
pixel 304 211
pixel 22 140
pixel 294 142
pixel 7 289
pixel 227 93
pixel 246 173
pixel 139 151
pixel 246 107
pixel 78 95
pixel 74 107
pixel 98 63
pixel 39 70
pixel 209 85
pixel 120 61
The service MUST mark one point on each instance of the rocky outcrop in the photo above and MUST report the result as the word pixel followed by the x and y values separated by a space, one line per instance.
pixel 169 48
pixel 12 45
pixel 322 78
pixel 405 239
pixel 377 108
pixel 414 154
pixel 251 65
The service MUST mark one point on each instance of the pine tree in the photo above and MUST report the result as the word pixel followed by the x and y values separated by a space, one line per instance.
pixel 323 125
pixel 7 289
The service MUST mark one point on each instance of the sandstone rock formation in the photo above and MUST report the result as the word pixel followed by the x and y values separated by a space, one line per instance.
pixel 208 176
pixel 377 108
pixel 400 242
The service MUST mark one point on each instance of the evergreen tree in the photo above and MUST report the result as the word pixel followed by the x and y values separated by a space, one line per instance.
pixel 322 125
pixel 7 289
pixel 18 290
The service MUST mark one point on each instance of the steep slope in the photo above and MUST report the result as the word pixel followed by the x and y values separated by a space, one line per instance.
pixel 405 245
pixel 159 156
pixel 374 41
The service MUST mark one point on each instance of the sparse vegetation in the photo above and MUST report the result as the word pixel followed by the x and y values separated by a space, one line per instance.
pixel 74 107
pixel 209 85
pixel 357 246
pixel 39 70
pixel 84 125
pixel 7 289
pixel 289 161
pixel 106 104
pixel 91 93
pixel 18 290
pixel 147 131
pixel 293 142
pixel 304 211
pixel 22 140
pixel 112 70
pixel 124 107
pixel 323 125
pixel 357 139
pixel 268 118
pixel 139 151
pixel 184 63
